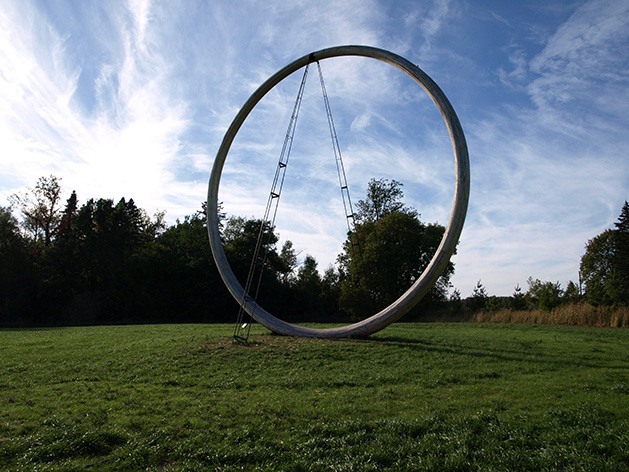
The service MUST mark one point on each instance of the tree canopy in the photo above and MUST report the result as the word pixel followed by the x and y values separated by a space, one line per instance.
pixel 383 198
pixel 104 261
pixel 40 207
pixel 605 264
pixel 388 251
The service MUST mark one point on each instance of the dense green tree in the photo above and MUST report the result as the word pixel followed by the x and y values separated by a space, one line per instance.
pixel 308 285
pixel 455 305
pixel 383 197
pixel 288 257
pixel 495 303
pixel 518 299
pixel 544 295
pixel 17 276
pixel 11 241
pixel 479 297
pixel 330 295
pixel 68 215
pixel 572 293
pixel 597 268
pixel 104 262
pixel 240 238
pixel 180 269
pixel 312 296
pixel 621 259
pixel 394 249
pixel 107 235
pixel 91 263
pixel 62 263
pixel 605 267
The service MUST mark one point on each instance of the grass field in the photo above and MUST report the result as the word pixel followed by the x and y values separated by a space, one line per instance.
pixel 412 397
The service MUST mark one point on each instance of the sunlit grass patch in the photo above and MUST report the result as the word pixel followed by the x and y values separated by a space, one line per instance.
pixel 412 397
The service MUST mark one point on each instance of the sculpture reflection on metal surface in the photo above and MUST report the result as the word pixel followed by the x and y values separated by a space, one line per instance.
pixel 451 235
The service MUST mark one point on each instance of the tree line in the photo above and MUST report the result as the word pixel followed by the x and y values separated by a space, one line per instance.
pixel 108 262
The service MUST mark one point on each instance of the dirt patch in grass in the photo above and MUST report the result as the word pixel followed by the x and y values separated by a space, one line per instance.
pixel 275 342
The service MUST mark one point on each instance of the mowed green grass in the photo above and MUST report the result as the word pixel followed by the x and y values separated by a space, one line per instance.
pixel 412 397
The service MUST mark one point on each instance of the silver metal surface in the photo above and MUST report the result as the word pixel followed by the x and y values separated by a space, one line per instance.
pixel 451 235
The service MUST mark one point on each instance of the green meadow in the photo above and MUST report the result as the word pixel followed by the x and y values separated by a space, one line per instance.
pixel 439 396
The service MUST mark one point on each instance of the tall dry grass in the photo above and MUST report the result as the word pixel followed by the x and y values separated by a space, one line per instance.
pixel 576 314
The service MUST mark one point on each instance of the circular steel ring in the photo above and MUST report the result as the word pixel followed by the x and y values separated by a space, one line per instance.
pixel 451 235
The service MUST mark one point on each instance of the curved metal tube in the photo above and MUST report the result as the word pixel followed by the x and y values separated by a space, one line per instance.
pixel 451 235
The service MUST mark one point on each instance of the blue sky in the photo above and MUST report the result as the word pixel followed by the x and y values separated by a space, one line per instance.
pixel 132 98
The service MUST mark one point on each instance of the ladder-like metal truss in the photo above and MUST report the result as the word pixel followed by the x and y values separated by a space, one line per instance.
pixel 243 325
pixel 340 168
pixel 241 331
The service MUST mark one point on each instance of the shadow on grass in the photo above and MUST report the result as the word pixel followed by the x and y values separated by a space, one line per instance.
pixel 522 350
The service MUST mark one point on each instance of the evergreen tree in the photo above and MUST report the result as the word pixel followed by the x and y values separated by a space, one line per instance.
pixel 70 211
pixel 330 295
pixel 288 256
pixel 621 258
pixel 479 297
pixel 605 267
pixel 308 286
pixel 518 300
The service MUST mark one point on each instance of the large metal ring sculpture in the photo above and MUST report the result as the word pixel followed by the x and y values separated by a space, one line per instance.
pixel 451 235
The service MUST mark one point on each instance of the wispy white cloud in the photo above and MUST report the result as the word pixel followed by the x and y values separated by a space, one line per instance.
pixel 140 11
pixel 519 70
pixel 549 176
pixel 123 150
pixel 35 86
pixel 379 148
pixel 432 22
pixel 582 66
pixel 533 207
pixel 133 100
